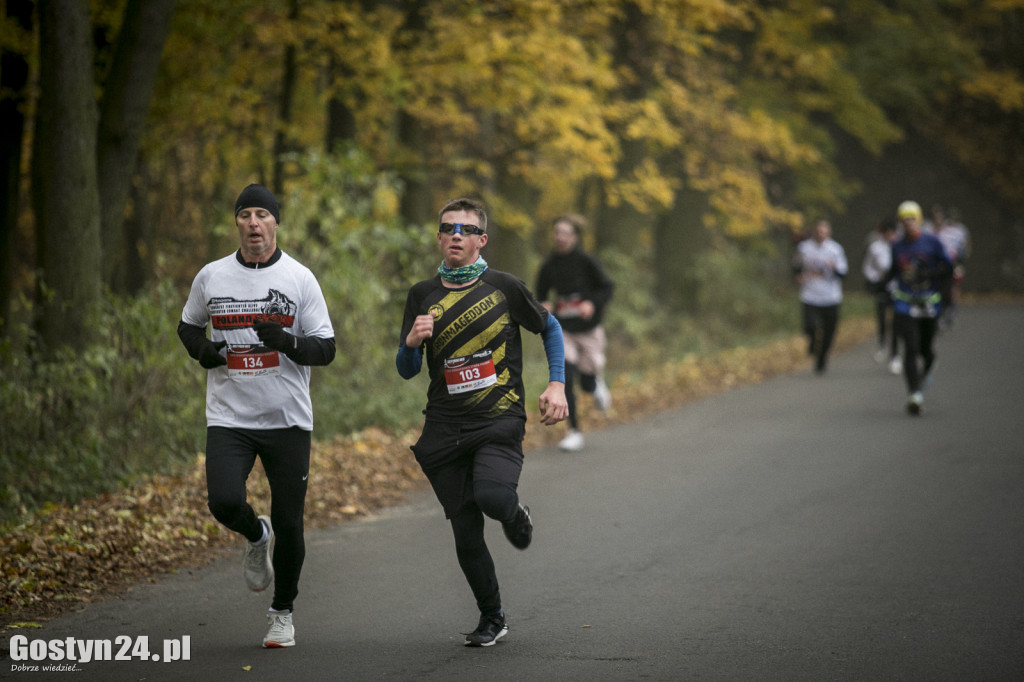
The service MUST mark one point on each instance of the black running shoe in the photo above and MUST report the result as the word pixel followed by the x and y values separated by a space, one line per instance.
pixel 490 630
pixel 520 531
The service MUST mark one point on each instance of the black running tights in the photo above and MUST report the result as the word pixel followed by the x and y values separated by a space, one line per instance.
pixel 917 334
pixel 230 456
pixel 820 327
pixel 499 502
pixel 587 383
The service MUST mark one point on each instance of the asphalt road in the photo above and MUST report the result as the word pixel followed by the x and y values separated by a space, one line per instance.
pixel 805 528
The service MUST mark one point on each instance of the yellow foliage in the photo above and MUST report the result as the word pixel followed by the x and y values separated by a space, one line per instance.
pixel 648 122
pixel 1004 88
pixel 720 95
pixel 647 190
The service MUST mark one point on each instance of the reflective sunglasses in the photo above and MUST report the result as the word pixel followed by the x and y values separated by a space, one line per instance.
pixel 460 228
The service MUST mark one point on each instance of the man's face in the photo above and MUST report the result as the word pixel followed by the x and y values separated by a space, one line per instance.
pixel 822 231
pixel 564 237
pixel 257 232
pixel 459 249
pixel 911 226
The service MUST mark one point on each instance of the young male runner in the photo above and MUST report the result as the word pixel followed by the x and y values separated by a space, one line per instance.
pixel 465 321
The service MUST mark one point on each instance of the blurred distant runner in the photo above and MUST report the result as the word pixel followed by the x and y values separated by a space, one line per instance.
pixel 820 266
pixel 466 322
pixel 920 267
pixel 956 239
pixel 269 323
pixel 582 291
pixel 875 268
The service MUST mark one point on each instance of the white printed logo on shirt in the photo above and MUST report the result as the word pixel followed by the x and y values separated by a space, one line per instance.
pixel 251 360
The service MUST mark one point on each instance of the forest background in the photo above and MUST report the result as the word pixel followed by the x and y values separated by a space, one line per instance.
pixel 699 137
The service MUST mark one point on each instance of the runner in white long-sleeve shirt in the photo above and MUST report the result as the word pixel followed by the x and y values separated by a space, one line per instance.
pixel 820 265
pixel 268 324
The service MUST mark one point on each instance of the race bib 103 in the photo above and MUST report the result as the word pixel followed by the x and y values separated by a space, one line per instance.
pixel 470 373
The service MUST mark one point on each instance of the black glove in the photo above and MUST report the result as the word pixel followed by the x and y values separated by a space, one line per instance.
pixel 273 336
pixel 209 354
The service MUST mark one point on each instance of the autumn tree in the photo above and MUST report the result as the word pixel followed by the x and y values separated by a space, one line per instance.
pixel 64 181
pixel 83 156
pixel 951 71
pixel 676 127
pixel 127 90
pixel 14 76
pixel 212 124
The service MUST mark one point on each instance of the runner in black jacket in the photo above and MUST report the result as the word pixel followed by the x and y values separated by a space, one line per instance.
pixel 582 290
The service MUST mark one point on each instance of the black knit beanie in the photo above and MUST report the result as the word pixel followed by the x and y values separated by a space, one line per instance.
pixel 258 196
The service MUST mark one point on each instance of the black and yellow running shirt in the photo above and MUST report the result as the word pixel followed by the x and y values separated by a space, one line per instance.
pixel 475 357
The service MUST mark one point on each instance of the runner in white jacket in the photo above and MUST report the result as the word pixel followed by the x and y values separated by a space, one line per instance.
pixel 820 265
pixel 875 268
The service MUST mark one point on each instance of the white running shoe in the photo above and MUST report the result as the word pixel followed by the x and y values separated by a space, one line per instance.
pixel 881 355
pixel 281 632
pixel 573 442
pixel 602 396
pixel 896 365
pixel 915 403
pixel 257 565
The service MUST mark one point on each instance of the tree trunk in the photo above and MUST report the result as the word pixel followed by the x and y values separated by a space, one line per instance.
pixel 617 226
pixel 341 117
pixel 680 239
pixel 65 188
pixel 138 232
pixel 13 100
pixel 417 203
pixel 284 114
pixel 341 120
pixel 126 96
pixel 508 249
